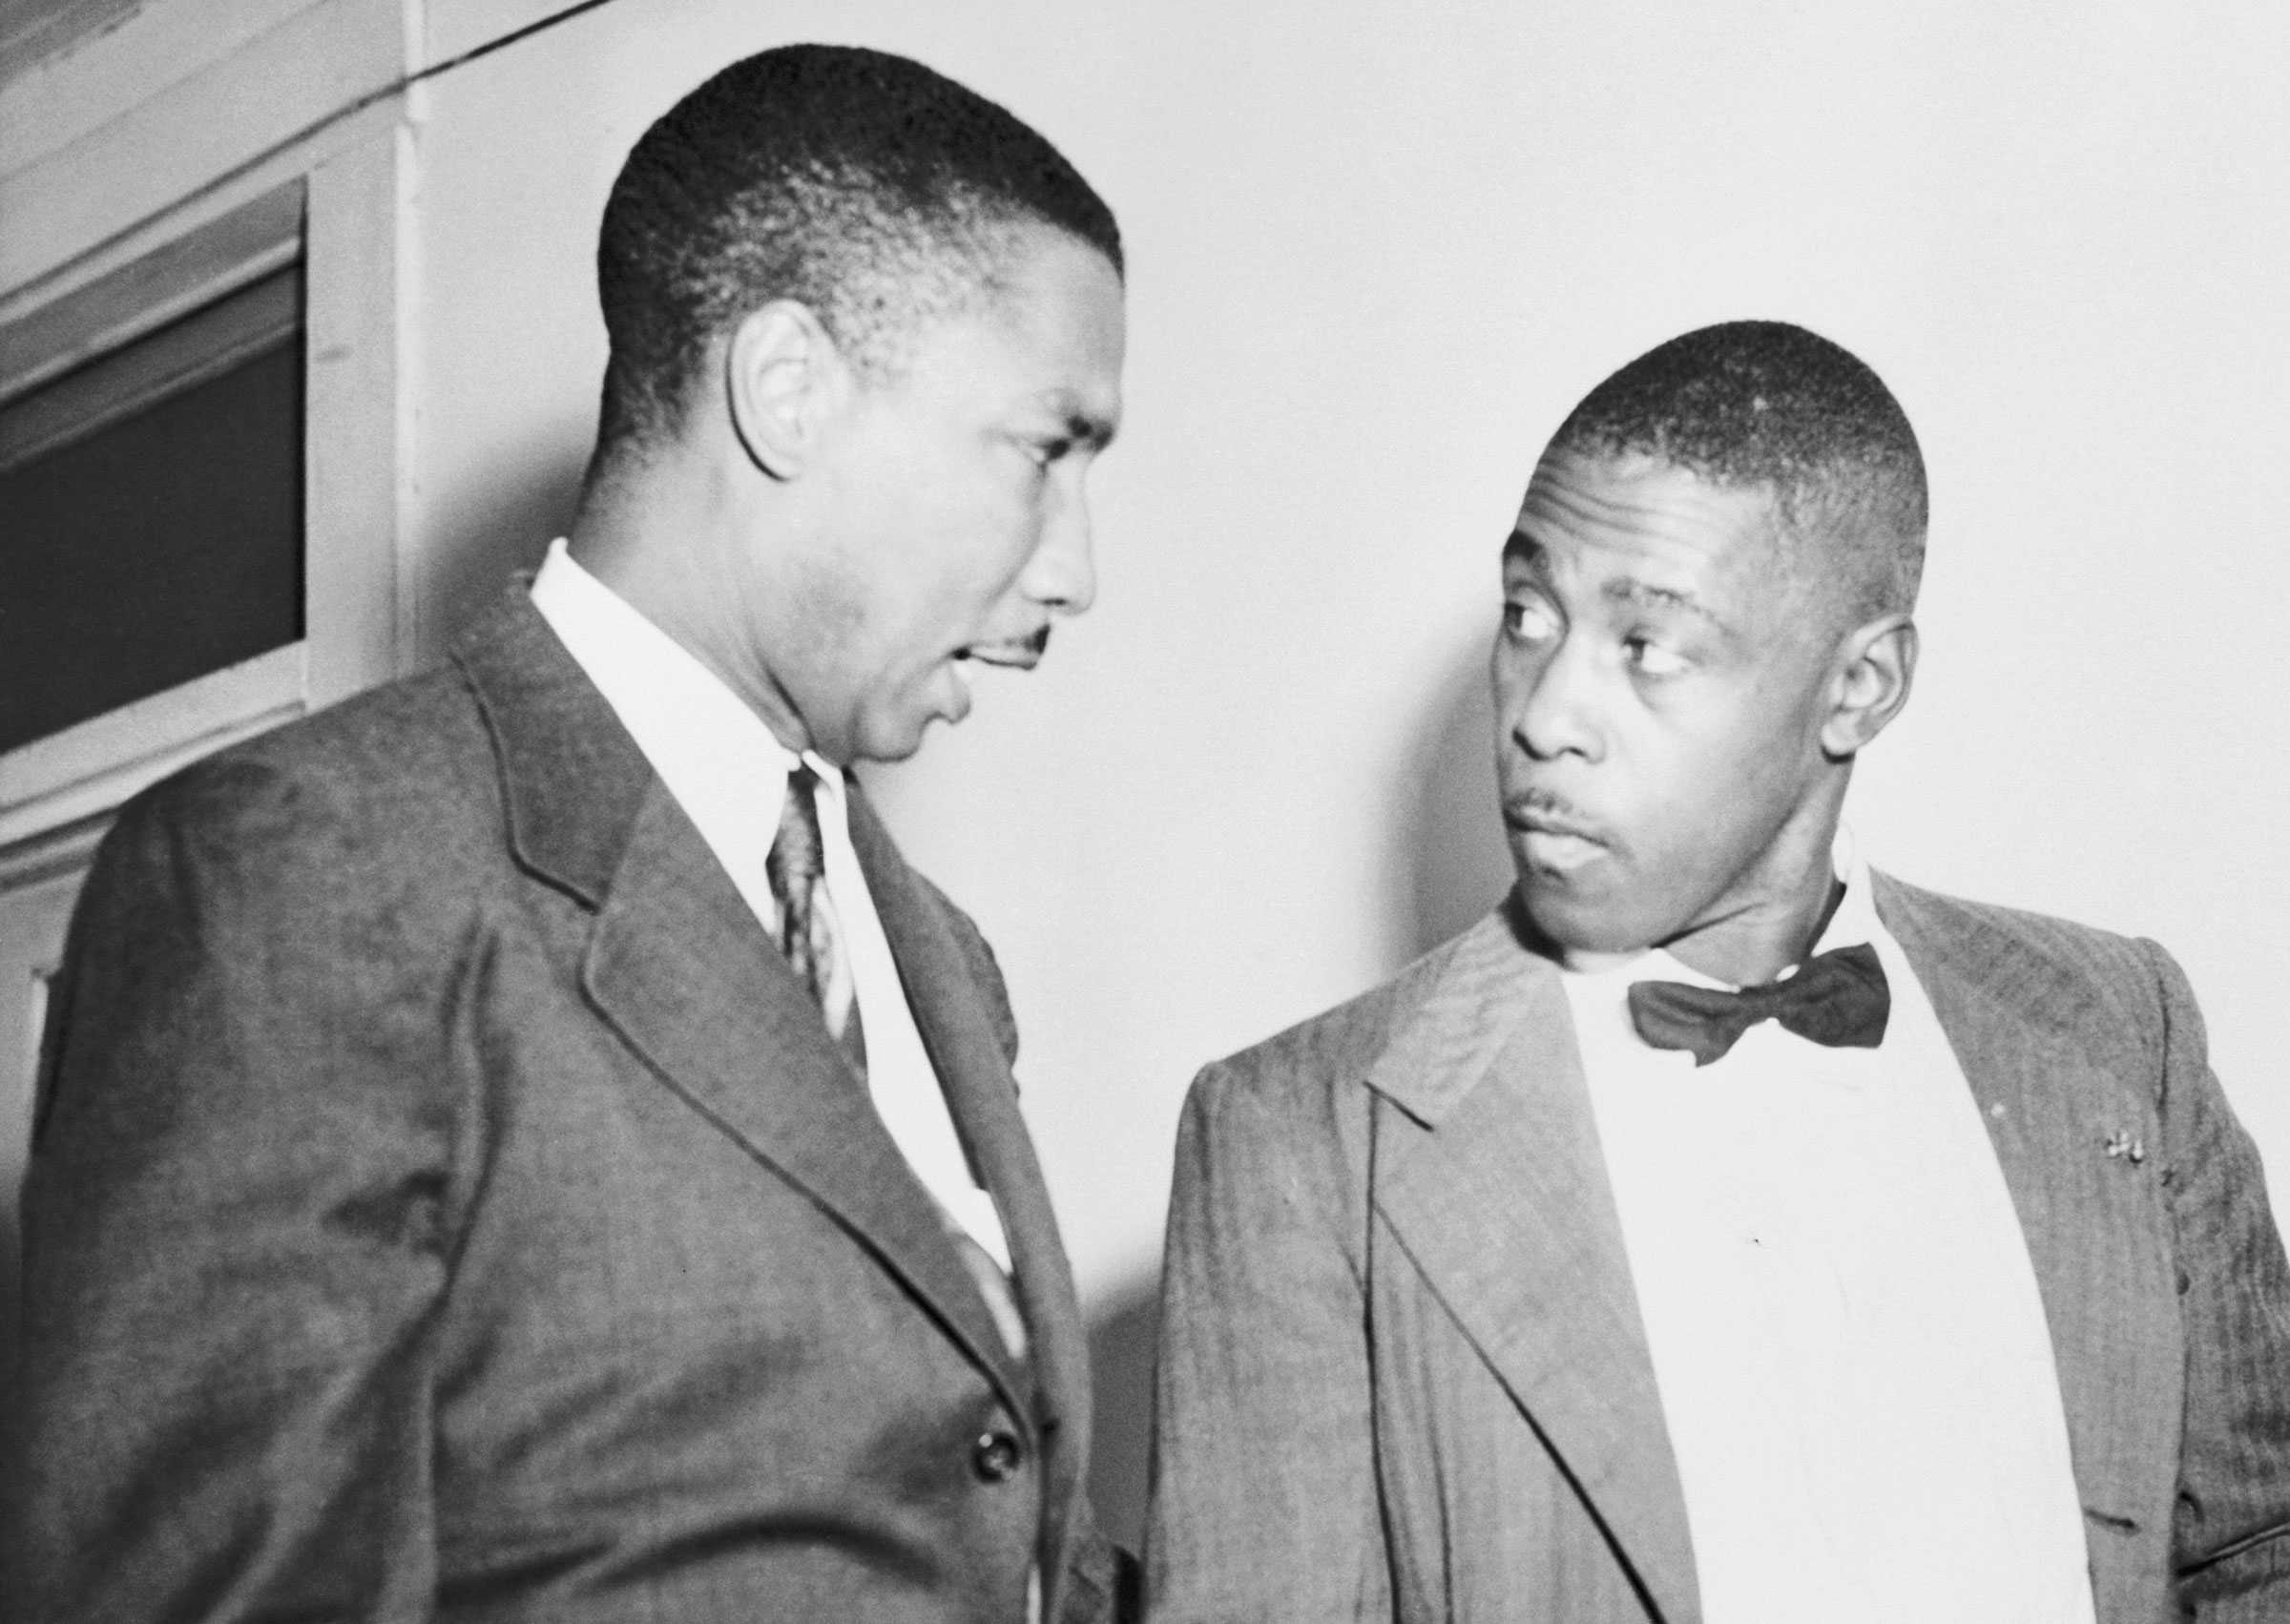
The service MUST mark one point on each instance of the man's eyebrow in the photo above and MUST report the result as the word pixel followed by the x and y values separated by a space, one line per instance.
pixel 1645 594
pixel 1521 547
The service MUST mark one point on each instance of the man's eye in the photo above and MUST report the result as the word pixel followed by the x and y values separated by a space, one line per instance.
pixel 1530 620
pixel 1653 658
pixel 1044 452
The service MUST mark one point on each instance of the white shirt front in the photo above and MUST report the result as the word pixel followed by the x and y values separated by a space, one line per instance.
pixel 1847 1334
pixel 729 773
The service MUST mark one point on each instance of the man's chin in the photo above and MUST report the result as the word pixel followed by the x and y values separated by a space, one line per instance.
pixel 1575 920
pixel 891 738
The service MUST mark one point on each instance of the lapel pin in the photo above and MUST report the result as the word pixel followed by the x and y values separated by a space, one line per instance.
pixel 2126 1145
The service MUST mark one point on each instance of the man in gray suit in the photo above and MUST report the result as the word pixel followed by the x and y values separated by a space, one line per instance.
pixel 1723 1232
pixel 523 1145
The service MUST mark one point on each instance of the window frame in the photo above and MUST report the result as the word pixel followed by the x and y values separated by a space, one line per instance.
pixel 332 200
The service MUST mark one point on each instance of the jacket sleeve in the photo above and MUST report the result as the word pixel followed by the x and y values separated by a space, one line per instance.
pixel 2231 1544
pixel 1263 1487
pixel 235 1224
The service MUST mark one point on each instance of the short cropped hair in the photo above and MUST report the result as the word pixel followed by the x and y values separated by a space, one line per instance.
pixel 1765 404
pixel 867 187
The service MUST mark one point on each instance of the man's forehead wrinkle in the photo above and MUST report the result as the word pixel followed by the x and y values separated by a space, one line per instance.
pixel 1588 520
pixel 1568 496
pixel 1646 538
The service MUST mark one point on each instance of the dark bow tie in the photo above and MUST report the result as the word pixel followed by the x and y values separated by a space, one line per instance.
pixel 1839 999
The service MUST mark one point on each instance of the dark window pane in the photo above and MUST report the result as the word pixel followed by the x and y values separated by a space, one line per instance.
pixel 164 544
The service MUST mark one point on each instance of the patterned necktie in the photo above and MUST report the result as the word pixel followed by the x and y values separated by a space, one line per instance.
pixel 1839 999
pixel 809 933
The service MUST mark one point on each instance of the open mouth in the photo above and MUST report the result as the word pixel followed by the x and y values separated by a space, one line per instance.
pixel 1013 653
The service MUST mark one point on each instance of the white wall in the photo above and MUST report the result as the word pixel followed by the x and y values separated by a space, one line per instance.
pixel 1377 252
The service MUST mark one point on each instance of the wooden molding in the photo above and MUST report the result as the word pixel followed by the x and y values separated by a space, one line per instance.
pixel 91 768
pixel 289 83
pixel 61 850
pixel 121 304
pixel 358 430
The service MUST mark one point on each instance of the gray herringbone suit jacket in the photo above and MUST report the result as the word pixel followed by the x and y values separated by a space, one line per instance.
pixel 446 1204
pixel 1402 1374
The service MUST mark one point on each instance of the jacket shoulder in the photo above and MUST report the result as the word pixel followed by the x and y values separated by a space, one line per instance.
pixel 394 781
pixel 1307 1066
pixel 394 742
pixel 2063 942
pixel 2103 984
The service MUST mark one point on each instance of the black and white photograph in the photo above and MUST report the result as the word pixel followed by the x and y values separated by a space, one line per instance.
pixel 1003 813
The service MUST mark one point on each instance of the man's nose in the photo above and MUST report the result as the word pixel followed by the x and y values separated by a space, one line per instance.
pixel 1551 704
pixel 1062 575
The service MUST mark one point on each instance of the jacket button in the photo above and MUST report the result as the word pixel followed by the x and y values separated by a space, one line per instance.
pixel 996 1457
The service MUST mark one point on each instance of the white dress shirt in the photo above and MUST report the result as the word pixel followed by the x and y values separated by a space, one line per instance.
pixel 729 773
pixel 1852 1356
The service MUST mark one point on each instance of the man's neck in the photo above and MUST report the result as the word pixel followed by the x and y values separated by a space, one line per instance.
pixel 645 537
pixel 1780 913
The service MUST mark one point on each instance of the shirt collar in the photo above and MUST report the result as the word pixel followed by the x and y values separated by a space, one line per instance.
pixel 721 762
pixel 1855 920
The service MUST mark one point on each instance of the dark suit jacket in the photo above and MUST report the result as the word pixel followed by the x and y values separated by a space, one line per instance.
pixel 446 1204
pixel 1403 1373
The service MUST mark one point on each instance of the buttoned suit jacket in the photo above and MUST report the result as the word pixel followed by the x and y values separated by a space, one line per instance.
pixel 1403 1373
pixel 446 1204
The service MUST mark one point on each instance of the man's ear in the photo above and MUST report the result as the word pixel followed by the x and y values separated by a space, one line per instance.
pixel 782 378
pixel 1876 667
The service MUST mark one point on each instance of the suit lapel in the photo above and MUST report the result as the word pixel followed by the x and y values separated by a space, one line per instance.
pixel 2021 1027
pixel 1492 1179
pixel 679 967
pixel 950 1010
pixel 1493 1182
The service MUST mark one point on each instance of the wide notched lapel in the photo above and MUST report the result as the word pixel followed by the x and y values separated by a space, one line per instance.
pixel 1491 1177
pixel 2022 1026
pixel 679 967
pixel 950 1011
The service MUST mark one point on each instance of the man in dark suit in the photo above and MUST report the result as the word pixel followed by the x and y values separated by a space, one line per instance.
pixel 1723 1233
pixel 523 1145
